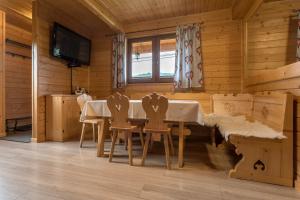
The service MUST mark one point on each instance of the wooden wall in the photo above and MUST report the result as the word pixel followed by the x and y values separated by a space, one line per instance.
pixel 17 74
pixel 271 36
pixel 221 49
pixel 272 55
pixel 100 71
pixel 221 40
pixel 2 58
pixel 51 76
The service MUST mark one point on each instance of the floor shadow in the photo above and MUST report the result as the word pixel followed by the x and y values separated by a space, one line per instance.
pixel 198 151
pixel 18 136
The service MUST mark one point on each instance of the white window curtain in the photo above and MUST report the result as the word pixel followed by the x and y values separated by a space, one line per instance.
pixel 119 61
pixel 298 38
pixel 188 60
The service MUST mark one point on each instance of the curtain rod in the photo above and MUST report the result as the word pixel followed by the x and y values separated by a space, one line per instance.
pixel 155 29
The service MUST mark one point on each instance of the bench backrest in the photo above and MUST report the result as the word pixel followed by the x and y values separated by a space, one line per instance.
pixel 273 109
pixel 230 104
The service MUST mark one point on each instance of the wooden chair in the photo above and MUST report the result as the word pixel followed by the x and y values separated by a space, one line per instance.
pixel 81 100
pixel 156 107
pixel 119 105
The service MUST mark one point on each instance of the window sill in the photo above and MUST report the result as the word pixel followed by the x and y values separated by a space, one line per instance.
pixel 149 84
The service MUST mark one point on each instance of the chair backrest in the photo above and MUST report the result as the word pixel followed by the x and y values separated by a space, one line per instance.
pixel 156 107
pixel 204 99
pixel 118 105
pixel 82 99
pixel 269 108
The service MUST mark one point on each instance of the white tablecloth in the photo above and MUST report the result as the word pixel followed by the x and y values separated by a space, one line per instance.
pixel 178 110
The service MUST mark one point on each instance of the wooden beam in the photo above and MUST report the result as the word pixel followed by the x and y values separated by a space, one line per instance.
pixel 244 53
pixel 244 9
pixel 97 7
pixel 35 84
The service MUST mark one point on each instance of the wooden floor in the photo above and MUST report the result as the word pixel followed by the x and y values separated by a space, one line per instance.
pixel 56 171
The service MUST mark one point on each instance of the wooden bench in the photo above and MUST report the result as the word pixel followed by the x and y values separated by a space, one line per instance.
pixel 16 121
pixel 263 159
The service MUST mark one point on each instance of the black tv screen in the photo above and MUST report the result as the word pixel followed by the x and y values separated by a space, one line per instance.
pixel 68 45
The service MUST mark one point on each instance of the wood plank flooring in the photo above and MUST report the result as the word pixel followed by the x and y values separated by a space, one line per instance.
pixel 62 171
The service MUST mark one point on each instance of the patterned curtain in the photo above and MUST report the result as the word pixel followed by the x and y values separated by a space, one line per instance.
pixel 188 60
pixel 298 38
pixel 118 61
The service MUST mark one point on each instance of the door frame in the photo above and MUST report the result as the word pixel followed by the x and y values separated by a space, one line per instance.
pixel 2 76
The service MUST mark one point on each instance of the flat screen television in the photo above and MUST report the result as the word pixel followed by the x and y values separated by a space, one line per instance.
pixel 70 46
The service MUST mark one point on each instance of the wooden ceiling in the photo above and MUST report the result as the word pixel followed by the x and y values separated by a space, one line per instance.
pixel 132 11
pixel 18 12
pixel 118 13
pixel 21 7
pixel 81 14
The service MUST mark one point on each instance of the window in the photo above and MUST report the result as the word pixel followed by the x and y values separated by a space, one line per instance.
pixel 151 59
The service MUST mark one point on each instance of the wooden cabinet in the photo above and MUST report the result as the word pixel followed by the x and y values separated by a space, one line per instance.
pixel 62 118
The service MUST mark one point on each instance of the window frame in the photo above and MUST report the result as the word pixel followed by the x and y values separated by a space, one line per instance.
pixel 155 59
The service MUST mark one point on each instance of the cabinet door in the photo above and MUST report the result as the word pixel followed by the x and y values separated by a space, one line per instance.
pixel 54 126
pixel 71 124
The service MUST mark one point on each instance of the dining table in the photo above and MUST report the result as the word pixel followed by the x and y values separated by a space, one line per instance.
pixel 179 111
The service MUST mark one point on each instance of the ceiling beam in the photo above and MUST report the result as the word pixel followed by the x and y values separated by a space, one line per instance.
pixel 244 9
pixel 96 7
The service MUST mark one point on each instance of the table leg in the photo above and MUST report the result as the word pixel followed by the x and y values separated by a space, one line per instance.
pixel 101 138
pixel 181 145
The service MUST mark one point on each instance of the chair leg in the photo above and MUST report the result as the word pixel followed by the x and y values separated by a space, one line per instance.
pixel 94 136
pixel 130 148
pixel 142 139
pixel 82 135
pixel 112 148
pixel 151 144
pixel 167 150
pixel 148 136
pixel 126 141
pixel 171 144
